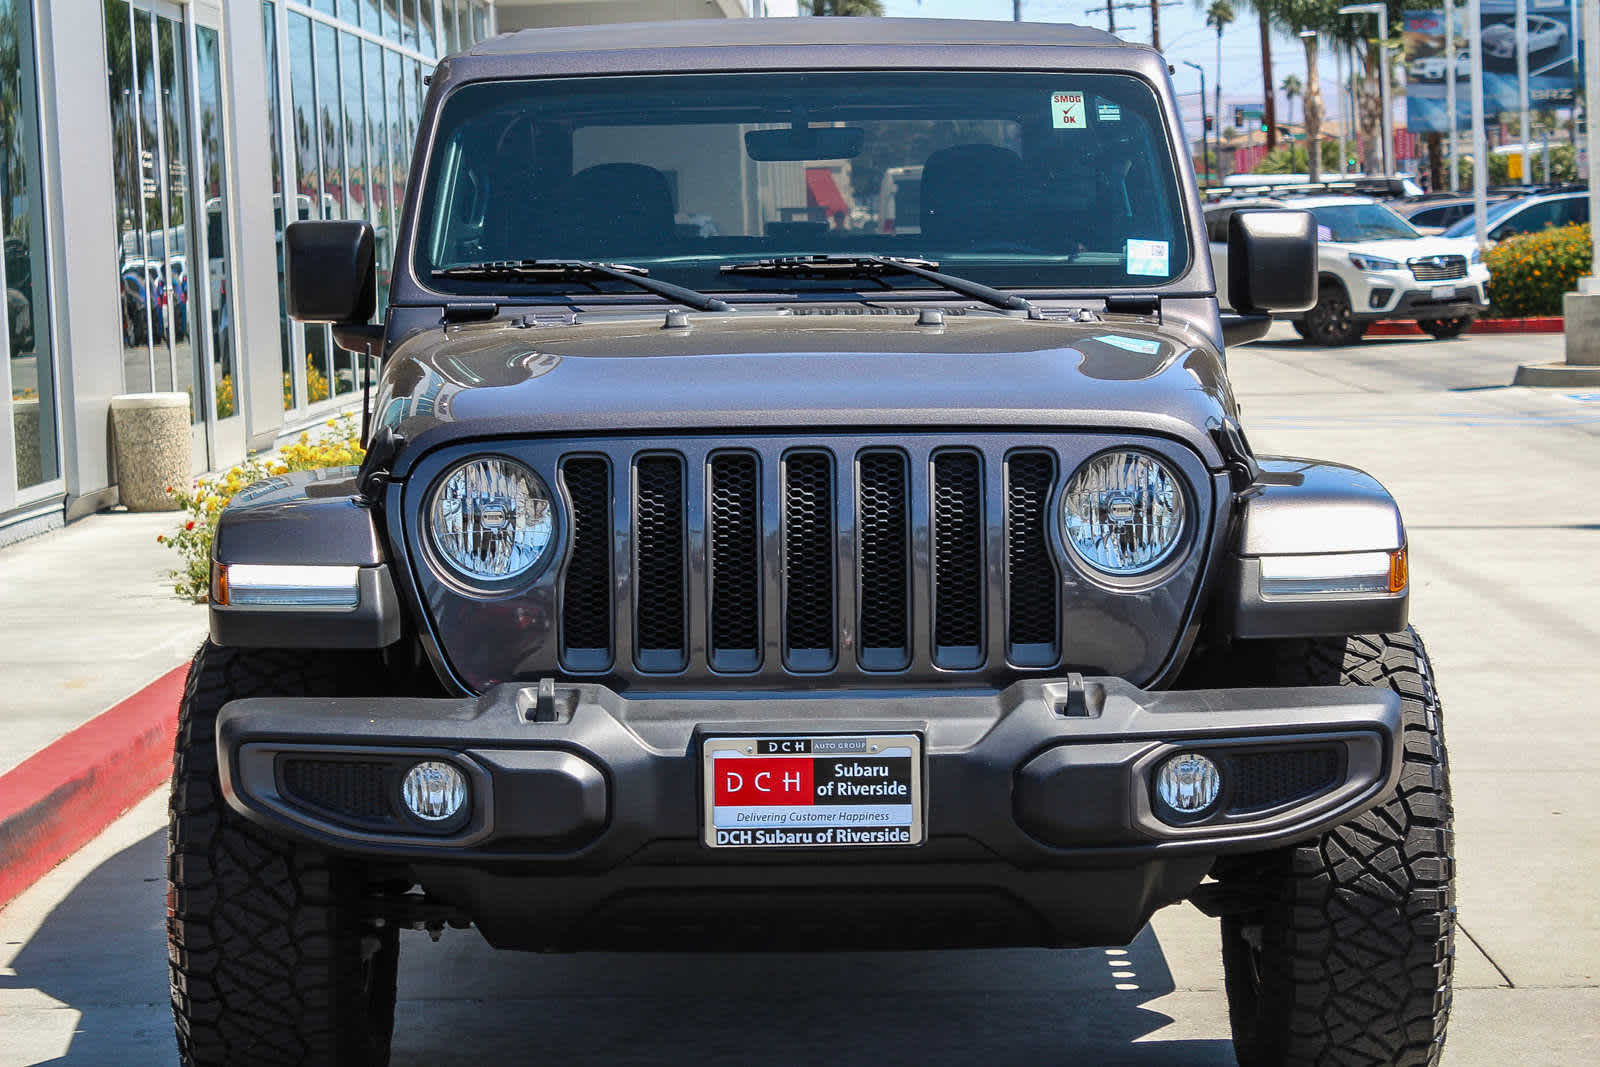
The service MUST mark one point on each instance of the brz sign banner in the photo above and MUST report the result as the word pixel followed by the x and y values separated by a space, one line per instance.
pixel 1552 61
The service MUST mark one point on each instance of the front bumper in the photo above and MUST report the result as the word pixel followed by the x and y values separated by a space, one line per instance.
pixel 586 816
pixel 1399 295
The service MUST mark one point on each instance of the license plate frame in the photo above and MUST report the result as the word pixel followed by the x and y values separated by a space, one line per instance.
pixel 862 790
pixel 1444 292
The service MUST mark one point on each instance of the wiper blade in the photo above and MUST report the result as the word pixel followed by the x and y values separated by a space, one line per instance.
pixel 556 270
pixel 873 266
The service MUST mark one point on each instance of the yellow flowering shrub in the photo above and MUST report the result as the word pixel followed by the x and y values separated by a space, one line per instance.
pixel 1529 274
pixel 226 405
pixel 202 503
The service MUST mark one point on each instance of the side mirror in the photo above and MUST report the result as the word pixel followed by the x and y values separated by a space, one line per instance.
pixel 1272 261
pixel 331 271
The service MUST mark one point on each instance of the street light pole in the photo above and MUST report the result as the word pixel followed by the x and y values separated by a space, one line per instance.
pixel 1205 143
pixel 1480 143
pixel 1591 77
pixel 1382 11
pixel 1450 91
pixel 1522 85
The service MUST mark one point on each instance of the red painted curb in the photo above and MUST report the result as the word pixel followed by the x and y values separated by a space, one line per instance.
pixel 1406 328
pixel 59 799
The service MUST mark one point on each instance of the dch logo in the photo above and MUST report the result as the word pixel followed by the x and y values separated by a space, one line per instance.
pixel 764 781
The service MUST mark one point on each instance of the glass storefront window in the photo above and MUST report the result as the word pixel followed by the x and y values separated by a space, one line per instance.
pixel 28 350
pixel 352 121
pixel 214 193
pixel 282 208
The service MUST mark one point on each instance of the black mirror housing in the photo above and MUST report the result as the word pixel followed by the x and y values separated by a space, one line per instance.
pixel 1272 261
pixel 331 271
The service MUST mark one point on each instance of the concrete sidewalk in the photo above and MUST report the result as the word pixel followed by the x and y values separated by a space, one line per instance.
pixel 89 618
pixel 91 670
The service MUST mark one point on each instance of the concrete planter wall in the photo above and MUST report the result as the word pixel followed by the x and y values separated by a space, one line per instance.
pixel 153 447
pixel 25 424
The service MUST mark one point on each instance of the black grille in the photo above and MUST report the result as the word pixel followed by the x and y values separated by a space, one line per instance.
pixel 808 551
pixel 586 589
pixel 1438 268
pixel 1030 575
pixel 1262 780
pixel 958 590
pixel 351 788
pixel 733 551
pixel 660 644
pixel 885 560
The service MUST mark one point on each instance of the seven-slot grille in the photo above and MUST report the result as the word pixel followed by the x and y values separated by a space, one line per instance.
pixel 810 560
pixel 1438 268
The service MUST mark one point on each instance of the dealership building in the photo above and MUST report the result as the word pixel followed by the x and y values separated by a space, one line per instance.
pixel 151 153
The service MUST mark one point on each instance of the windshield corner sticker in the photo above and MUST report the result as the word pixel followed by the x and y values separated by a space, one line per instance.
pixel 1108 112
pixel 1147 258
pixel 1067 111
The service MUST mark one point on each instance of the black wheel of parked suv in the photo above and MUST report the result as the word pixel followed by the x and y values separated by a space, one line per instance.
pixel 1444 329
pixel 271 962
pixel 1347 957
pixel 1332 322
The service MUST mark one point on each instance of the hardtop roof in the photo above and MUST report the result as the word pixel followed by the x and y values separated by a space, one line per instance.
pixel 780 32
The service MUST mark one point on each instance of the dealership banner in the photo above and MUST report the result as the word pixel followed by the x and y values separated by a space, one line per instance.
pixel 1552 64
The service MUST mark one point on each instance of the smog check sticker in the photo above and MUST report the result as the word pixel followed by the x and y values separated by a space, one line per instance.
pixel 1067 111
pixel 813 792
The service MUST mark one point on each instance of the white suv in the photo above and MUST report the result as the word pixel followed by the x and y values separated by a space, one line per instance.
pixel 1372 264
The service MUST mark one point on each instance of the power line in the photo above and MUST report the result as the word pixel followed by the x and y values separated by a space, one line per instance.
pixel 1111 7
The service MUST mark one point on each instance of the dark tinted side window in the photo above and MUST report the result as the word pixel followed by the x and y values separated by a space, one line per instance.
pixel 1578 209
pixel 1531 219
pixel 1431 216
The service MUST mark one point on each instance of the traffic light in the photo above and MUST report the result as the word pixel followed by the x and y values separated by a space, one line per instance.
pixel 1238 117
pixel 1263 125
pixel 1209 123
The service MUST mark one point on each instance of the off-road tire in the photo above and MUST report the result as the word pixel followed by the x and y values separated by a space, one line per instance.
pixel 1444 329
pixel 270 960
pixel 1333 321
pixel 1348 959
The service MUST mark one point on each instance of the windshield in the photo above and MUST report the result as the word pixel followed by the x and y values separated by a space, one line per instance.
pixel 1020 180
pixel 1463 227
pixel 1361 222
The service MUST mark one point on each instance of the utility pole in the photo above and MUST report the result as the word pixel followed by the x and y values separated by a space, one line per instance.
pixel 1450 92
pixel 1016 10
pixel 1111 7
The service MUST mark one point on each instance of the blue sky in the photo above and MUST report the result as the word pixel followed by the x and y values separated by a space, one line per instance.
pixel 1184 36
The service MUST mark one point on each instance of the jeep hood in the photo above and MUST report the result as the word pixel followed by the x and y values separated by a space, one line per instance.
pixel 759 371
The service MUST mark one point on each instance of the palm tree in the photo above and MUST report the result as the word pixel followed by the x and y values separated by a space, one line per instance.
pixel 1291 89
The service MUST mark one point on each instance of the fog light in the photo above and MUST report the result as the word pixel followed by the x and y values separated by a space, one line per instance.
pixel 1188 783
pixel 434 791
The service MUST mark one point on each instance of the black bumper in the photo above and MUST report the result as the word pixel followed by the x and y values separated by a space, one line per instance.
pixel 585 827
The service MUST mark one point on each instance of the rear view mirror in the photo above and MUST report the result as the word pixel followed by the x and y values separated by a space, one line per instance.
pixel 330 270
pixel 1272 261
pixel 795 144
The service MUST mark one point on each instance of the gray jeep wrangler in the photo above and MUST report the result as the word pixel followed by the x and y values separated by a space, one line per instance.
pixel 805 507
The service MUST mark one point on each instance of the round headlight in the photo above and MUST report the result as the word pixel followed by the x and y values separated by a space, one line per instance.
pixel 1123 512
pixel 491 519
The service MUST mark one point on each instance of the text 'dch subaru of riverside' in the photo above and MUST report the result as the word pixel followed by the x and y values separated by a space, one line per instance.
pixel 731 568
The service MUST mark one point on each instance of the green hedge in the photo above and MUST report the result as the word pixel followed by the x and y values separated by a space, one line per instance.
pixel 1529 274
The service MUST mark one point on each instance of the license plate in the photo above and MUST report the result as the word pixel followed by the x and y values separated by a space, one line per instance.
pixel 1444 292
pixel 834 791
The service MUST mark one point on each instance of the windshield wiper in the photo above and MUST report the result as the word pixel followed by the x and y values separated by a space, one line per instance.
pixel 874 266
pixel 557 270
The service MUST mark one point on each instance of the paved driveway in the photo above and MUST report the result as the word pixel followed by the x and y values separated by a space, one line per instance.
pixel 1501 492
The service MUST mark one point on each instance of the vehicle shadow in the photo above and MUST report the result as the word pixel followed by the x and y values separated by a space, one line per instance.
pixel 101 953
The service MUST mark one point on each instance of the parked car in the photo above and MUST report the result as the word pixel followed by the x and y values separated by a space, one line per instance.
pixel 1433 215
pixel 807 587
pixel 1528 214
pixel 1372 264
